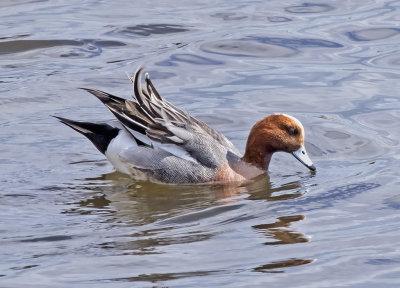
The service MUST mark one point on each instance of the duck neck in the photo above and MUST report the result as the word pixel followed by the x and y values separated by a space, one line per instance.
pixel 242 167
pixel 258 158
pixel 259 149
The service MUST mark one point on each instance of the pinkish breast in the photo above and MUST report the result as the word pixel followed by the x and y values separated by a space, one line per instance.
pixel 226 174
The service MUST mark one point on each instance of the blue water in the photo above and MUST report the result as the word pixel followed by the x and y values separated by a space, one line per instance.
pixel 67 219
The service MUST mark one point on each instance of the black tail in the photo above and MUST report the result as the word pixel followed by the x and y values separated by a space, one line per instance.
pixel 99 134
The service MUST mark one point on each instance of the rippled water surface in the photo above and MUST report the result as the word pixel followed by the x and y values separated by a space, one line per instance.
pixel 68 220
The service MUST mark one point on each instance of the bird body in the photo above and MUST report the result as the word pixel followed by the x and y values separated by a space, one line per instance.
pixel 153 140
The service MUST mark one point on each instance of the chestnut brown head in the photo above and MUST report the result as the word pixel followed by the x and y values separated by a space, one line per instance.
pixel 277 132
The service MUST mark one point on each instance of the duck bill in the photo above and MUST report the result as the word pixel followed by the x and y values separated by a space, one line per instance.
pixel 302 156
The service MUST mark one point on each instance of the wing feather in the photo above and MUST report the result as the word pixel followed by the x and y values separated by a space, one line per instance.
pixel 166 126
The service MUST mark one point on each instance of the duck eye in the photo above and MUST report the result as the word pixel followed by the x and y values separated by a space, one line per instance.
pixel 293 131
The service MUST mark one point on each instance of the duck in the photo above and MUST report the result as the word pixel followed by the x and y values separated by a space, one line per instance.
pixel 152 140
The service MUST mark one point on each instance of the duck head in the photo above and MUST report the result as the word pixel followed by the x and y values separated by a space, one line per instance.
pixel 276 133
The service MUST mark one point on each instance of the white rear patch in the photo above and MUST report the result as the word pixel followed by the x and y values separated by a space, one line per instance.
pixel 120 143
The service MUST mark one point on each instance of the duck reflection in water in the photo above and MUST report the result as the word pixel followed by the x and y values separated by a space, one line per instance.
pixel 163 215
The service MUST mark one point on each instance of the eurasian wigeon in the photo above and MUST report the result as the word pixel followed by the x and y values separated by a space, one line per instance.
pixel 153 140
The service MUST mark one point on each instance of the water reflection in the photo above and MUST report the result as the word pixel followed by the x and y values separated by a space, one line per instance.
pixel 147 243
pixel 247 47
pixel 309 8
pixel 262 190
pixel 229 16
pixel 145 202
pixel 47 239
pixel 15 36
pixel 278 19
pixel 267 47
pixel 78 48
pixel 270 268
pixel 97 203
pixel 159 277
pixel 18 46
pixel 298 43
pixel 373 34
pixel 194 59
pixel 149 29
pixel 278 230
pixel 117 193
pixel 163 216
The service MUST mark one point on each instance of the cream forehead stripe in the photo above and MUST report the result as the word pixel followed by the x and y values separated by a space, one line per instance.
pixel 294 119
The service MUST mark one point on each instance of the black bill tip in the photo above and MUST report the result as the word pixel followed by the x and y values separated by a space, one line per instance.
pixel 312 167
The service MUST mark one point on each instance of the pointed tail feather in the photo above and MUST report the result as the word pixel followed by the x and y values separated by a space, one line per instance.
pixel 131 118
pixel 151 88
pixel 99 134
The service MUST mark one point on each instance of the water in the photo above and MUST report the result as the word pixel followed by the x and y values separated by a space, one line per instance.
pixel 68 220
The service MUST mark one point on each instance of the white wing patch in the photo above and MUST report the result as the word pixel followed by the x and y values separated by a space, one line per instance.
pixel 176 151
